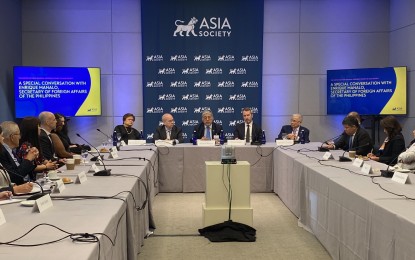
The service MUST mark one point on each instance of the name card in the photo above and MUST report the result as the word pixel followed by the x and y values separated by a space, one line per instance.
pixel 326 156
pixel 201 142
pixel 99 160
pixel 95 167
pixel 113 153
pixel 2 218
pixel 42 204
pixel 163 142
pixel 136 142
pixel 236 142
pixel 358 162
pixel 60 186
pixel 400 177
pixel 284 142
pixel 81 178
pixel 366 169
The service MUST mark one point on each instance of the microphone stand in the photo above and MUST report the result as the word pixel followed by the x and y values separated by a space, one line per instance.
pixel 109 137
pixel 105 172
pixel 323 149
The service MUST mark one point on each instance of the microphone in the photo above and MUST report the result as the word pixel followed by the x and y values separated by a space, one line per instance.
pixel 109 137
pixel 104 172
pixel 386 173
pixel 348 159
pixel 323 149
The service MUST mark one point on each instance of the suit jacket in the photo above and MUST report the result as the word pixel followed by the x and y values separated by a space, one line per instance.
pixel 288 130
pixel 17 173
pixel 48 152
pixel 394 147
pixel 125 136
pixel 361 141
pixel 161 133
pixel 200 130
pixel 240 132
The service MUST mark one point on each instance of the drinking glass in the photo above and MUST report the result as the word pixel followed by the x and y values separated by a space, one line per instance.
pixel 84 154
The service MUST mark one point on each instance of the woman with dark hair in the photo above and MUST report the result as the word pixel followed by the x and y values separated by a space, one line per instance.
pixel 29 131
pixel 62 132
pixel 394 143
pixel 128 132
pixel 61 148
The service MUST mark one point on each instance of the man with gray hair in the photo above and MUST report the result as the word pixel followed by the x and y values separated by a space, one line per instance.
pixel 168 131
pixel 207 129
pixel 47 124
pixel 293 130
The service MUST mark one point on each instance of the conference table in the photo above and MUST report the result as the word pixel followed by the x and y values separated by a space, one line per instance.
pixel 351 216
pixel 116 208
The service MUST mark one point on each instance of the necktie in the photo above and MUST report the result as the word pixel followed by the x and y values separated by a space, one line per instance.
pixel 248 134
pixel 168 134
pixel 351 142
pixel 208 133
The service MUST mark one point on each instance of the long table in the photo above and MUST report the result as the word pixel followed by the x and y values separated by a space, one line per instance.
pixel 118 217
pixel 352 217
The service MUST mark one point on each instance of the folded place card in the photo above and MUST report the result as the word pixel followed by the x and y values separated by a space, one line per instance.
pixel 366 169
pixel 81 178
pixel 163 142
pixel 59 187
pixel 284 142
pixel 201 142
pixel 42 203
pixel 358 162
pixel 95 167
pixel 113 152
pixel 2 218
pixel 326 156
pixel 136 142
pixel 236 142
pixel 400 177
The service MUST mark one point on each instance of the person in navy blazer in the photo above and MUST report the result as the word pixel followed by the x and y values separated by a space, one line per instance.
pixel 294 129
pixel 168 124
pixel 240 129
pixel 207 120
pixel 47 124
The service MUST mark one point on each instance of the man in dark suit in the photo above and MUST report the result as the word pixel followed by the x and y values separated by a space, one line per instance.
pixel 248 130
pixel 294 129
pixel 21 169
pixel 353 138
pixel 47 124
pixel 207 129
pixel 168 131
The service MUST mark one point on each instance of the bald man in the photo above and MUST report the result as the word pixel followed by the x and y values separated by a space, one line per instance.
pixel 294 129
pixel 47 124
pixel 168 131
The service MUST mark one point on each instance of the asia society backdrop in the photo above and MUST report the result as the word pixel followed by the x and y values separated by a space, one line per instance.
pixel 201 55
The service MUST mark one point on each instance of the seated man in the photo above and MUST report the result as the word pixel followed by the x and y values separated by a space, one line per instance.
pixel 207 129
pixel 248 130
pixel 168 131
pixel 293 130
pixel 353 138
pixel 128 132
pixel 47 124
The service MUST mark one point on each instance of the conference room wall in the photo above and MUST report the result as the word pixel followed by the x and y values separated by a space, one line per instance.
pixel 10 53
pixel 301 40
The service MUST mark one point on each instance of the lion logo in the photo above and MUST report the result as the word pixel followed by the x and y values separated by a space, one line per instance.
pixel 188 28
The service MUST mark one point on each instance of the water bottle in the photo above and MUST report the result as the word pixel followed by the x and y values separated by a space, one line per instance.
pixel 222 137
pixel 263 139
pixel 194 138
pixel 302 137
pixel 114 139
pixel 141 135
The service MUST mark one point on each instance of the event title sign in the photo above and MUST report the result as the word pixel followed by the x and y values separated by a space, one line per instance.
pixel 200 55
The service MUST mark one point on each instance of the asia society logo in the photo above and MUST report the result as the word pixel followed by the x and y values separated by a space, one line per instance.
pixel 237 71
pixel 150 136
pixel 154 110
pixel 213 97
pixel 178 58
pixel 235 122
pixel 249 84
pixel 190 97
pixel 154 84
pixel 214 71
pixel 237 97
pixel 178 84
pixel 202 58
pixel 190 71
pixel 200 109
pixel 250 58
pixel 254 110
pixel 226 58
pixel 184 136
pixel 166 71
pixel 209 27
pixel 161 123
pixel 167 97
pixel 202 84
pixel 154 58
pixel 190 122
pixel 226 84
pixel 217 121
pixel 226 110
pixel 180 110
pixel 229 135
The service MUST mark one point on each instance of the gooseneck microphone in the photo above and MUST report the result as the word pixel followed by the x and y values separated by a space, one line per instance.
pixel 387 173
pixel 109 137
pixel 348 159
pixel 105 172
pixel 323 149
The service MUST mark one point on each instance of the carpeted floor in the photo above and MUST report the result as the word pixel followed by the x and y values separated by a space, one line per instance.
pixel 178 217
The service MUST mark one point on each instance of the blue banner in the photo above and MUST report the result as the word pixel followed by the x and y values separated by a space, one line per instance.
pixel 201 55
